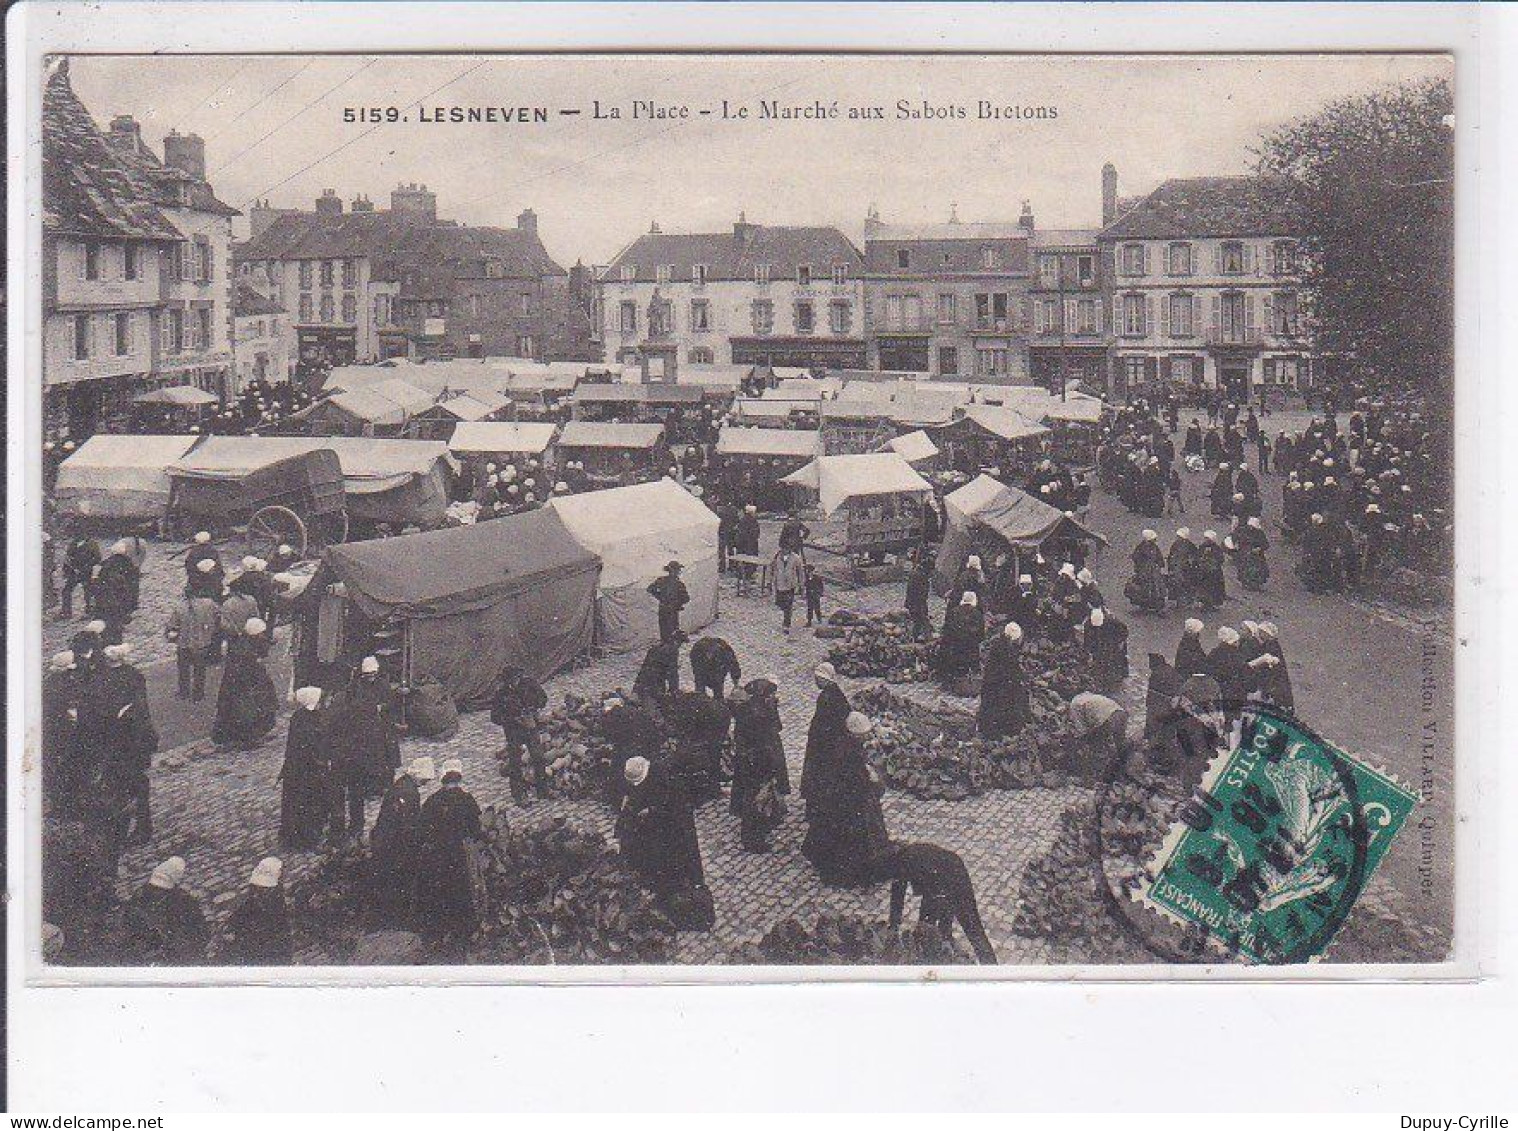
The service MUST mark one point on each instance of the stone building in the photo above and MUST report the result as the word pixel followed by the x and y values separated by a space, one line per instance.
pixel 754 296
pixel 949 299
pixel 260 338
pixel 1205 290
pixel 136 266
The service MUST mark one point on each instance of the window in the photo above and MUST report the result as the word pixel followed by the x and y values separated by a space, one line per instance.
pixel 629 273
pixel 840 274
pixel 991 311
pixel 1182 316
pixel 903 259
pixel 129 261
pixel 1178 259
pixel 350 273
pixel 1283 313
pixel 700 355
pixel 1283 258
pixel 1046 316
pixel 948 309
pixel 948 361
pixel 305 274
pixel 840 316
pixel 988 257
pixel 326 272
pixel 382 309
pixel 327 308
pixel 804 275
pixel 350 307
pixel 176 331
pixel 1184 371
pixel 903 312
pixel 203 327
pixel 627 317
pixel 805 318
pixel 762 273
pixel 203 265
pixel 698 274
pixel 81 337
pixel 524 304
pixel 1087 316
pixel 1048 271
pixel 1133 316
pixel 526 347
pixel 1085 270
pixel 763 315
pixel 661 318
pixel 662 272
pixel 1234 317
pixel 700 315
pixel 493 269
pixel 990 361
pixel 92 261
pixel 1132 259
pixel 1231 258
pixel 305 308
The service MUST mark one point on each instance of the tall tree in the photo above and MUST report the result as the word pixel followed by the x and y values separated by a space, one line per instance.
pixel 1370 181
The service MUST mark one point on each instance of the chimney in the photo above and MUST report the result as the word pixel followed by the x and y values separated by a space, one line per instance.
pixel 743 231
pixel 872 222
pixel 1109 193
pixel 654 229
pixel 953 213
pixel 260 216
pixel 126 133
pixel 527 221
pixel 1025 221
pixel 329 203
pixel 185 152
pixel 414 200
pixel 361 203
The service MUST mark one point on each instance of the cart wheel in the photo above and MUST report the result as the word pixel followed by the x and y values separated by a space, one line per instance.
pixel 278 526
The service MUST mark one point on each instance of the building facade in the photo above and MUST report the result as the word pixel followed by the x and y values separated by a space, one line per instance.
pixel 949 299
pixel 136 267
pixel 755 296
pixel 1069 316
pixel 260 337
pixel 366 284
pixel 1205 291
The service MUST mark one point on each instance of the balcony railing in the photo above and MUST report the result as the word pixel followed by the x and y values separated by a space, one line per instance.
pixel 914 326
pixel 989 325
pixel 1233 336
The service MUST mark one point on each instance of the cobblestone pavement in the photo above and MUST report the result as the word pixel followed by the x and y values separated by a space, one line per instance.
pixel 1356 668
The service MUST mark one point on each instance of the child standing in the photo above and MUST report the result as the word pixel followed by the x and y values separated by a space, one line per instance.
pixel 813 595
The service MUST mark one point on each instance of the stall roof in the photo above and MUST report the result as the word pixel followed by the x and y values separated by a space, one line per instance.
pixel 636 529
pixel 500 436
pixel 1015 515
pixel 783 373
pixel 477 378
pixel 653 393
pixel 592 434
pixel 757 409
pixel 768 442
pixel 804 389
pixel 120 476
pixel 368 465
pixel 721 377
pixel 855 409
pixel 177 396
pixel 1004 423
pixel 473 406
pixel 446 570
pixel 914 447
pixel 837 479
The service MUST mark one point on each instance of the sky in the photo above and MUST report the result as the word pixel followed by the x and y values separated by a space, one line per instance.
pixel 274 128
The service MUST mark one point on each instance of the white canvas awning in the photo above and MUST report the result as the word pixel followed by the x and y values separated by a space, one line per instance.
pixel 177 396
pixel 119 477
pixel 768 442
pixel 1004 423
pixel 837 479
pixel 486 437
pixel 914 447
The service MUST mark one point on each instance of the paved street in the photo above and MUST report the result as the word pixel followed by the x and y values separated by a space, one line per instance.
pixel 1356 671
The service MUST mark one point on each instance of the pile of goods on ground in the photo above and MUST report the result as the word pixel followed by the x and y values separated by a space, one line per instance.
pixel 851 940
pixel 575 756
pixel 1057 672
pixel 1077 897
pixel 555 893
pixel 548 892
pixel 880 646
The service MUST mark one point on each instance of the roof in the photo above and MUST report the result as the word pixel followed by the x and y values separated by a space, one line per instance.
pixel 768 442
pixel 500 436
pixel 368 465
pixel 1004 423
pixel 1197 207
pixel 637 529
pixel 1015 515
pixel 753 408
pixel 177 396
pixel 837 479
pixel 723 377
pixel 399 244
pixel 803 388
pixel 590 434
pixel 438 572
pixel 391 402
pixel 637 394
pixel 483 382
pixel 953 230
pixel 471 406
pixel 914 447
pixel 249 302
pixel 1066 237
pixel 119 476
pixel 727 256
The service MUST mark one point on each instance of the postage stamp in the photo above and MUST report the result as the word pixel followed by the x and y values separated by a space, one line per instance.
pixel 1277 843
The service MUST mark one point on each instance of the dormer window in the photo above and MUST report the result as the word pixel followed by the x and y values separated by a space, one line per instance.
pixel 698 274
pixel 629 273
pixel 804 275
pixel 840 274
pixel 762 273
pixel 903 259
pixel 661 273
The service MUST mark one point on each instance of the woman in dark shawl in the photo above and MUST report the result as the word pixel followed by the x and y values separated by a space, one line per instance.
pixel 1004 705
pixel 306 780
pixel 445 905
pixel 1147 588
pixel 246 703
pixel 846 831
pixel 656 832
pixel 760 776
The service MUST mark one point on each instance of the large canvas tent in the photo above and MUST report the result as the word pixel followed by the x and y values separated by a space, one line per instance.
pixel 987 509
pixel 119 477
pixel 385 408
pixel 471 600
pixel 841 479
pixel 636 530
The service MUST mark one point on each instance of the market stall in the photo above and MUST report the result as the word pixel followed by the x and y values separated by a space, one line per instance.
pixel 615 454
pixel 385 408
pixel 880 497
pixel 988 518
pixel 751 462
pixel 440 421
pixel 119 478
pixel 987 437
pixel 501 442
pixel 173 408
pixel 917 448
pixel 636 531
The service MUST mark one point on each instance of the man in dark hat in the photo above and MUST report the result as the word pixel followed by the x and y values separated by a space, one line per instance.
pixel 672 596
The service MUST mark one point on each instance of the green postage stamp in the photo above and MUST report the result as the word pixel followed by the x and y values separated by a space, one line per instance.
pixel 1277 843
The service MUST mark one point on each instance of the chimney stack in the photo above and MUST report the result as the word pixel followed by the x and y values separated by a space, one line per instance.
pixel 527 221
pixel 185 152
pixel 126 133
pixel 414 200
pixel 1025 221
pixel 329 203
pixel 743 231
pixel 872 222
pixel 1109 193
pixel 361 203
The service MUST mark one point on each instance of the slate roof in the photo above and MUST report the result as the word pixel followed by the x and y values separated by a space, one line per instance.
pixel 726 256
pixel 1009 230
pixel 248 302
pixel 1198 207
pixel 1066 237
